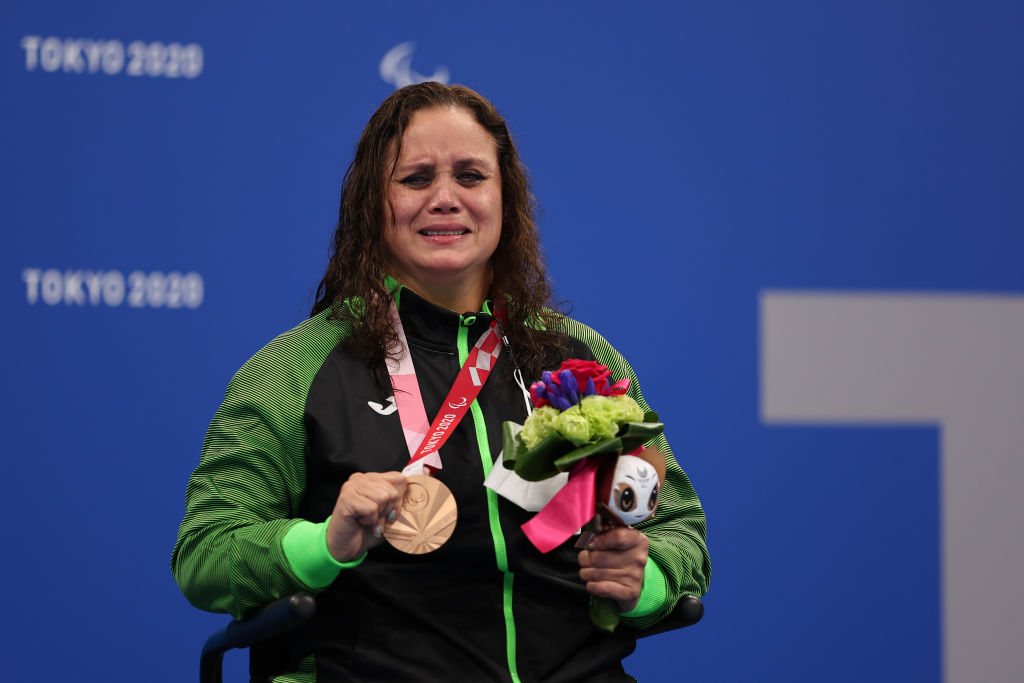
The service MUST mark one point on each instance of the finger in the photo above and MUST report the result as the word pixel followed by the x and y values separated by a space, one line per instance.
pixel 614 583
pixel 625 598
pixel 391 482
pixel 386 494
pixel 394 484
pixel 634 559
pixel 399 483
pixel 364 510
pixel 619 538
pixel 626 575
pixel 613 589
pixel 384 499
pixel 585 558
pixel 396 479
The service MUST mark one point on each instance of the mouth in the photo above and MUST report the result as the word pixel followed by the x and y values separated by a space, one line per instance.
pixel 444 231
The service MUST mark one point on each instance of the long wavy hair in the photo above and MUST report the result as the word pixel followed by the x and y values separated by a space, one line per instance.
pixel 353 285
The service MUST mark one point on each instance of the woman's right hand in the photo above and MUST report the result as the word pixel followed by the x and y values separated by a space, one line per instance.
pixel 366 502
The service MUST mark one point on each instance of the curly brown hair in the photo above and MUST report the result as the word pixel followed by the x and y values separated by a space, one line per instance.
pixel 353 285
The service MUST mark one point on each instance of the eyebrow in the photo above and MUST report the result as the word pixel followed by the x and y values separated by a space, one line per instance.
pixel 458 165
pixel 471 161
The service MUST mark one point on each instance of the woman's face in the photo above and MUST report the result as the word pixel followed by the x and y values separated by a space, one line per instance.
pixel 446 197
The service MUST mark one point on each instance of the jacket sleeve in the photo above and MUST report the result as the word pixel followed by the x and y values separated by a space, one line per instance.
pixel 678 531
pixel 244 495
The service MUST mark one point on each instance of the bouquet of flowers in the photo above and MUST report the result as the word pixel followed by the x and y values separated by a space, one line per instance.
pixel 583 424
pixel 577 415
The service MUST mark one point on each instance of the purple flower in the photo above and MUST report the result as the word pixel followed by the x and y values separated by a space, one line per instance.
pixel 562 389
pixel 570 388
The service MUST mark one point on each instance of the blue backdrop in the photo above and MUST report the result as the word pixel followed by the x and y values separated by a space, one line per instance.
pixel 171 178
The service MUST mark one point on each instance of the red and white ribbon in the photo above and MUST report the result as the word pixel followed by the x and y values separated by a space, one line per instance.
pixel 424 439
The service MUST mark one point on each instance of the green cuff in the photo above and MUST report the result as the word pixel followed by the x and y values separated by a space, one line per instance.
pixel 653 594
pixel 305 548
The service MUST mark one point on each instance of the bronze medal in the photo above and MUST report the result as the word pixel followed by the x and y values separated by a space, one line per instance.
pixel 428 517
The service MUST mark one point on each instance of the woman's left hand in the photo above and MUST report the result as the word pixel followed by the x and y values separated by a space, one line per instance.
pixel 613 565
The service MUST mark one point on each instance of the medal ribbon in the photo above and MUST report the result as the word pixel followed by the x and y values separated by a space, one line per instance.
pixel 424 439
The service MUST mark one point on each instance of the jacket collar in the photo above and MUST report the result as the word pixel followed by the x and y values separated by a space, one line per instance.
pixel 433 325
pixel 396 288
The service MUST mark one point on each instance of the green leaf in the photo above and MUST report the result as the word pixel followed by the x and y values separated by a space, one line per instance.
pixel 636 434
pixel 574 456
pixel 537 463
pixel 512 446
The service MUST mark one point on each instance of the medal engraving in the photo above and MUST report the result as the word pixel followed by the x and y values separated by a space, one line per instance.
pixel 428 517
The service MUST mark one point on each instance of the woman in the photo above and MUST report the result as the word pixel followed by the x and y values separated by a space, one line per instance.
pixel 302 465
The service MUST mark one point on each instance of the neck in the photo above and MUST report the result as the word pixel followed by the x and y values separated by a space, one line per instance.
pixel 459 296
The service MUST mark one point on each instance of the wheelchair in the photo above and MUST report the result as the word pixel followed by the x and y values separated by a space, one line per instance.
pixel 291 611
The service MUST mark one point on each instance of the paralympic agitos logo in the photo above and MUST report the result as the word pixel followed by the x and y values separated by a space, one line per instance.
pixel 396 67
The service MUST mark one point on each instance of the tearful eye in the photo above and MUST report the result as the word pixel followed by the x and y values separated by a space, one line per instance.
pixel 625 497
pixel 415 180
pixel 470 178
pixel 653 500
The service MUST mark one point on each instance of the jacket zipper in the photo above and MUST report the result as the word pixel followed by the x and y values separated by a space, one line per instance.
pixel 500 554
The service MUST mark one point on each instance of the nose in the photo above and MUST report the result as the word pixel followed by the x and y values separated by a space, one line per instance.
pixel 445 198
